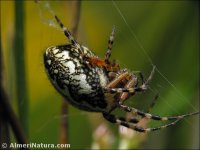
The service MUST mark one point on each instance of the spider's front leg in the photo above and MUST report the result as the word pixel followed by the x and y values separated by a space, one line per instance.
pixel 69 36
pixel 110 44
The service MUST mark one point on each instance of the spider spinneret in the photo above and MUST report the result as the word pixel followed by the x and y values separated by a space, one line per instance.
pixel 97 85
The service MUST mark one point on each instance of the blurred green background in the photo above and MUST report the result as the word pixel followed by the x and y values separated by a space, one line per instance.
pixel 168 33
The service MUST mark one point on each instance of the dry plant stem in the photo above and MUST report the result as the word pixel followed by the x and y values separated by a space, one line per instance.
pixel 76 17
pixel 7 112
pixel 76 5
pixel 64 123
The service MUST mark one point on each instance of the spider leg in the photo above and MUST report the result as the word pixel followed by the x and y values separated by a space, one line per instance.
pixel 152 103
pixel 66 32
pixel 113 119
pixel 110 44
pixel 145 84
pixel 150 76
pixel 123 96
pixel 153 117
pixel 117 80
pixel 69 35
pixel 112 75
pixel 150 106
pixel 131 90
pixel 142 77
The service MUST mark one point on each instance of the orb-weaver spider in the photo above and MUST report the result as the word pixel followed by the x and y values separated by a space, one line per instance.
pixel 98 85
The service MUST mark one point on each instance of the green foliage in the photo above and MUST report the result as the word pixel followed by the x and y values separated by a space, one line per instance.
pixel 19 65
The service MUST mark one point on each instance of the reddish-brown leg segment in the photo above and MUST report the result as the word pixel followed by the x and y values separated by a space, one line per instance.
pixel 117 80
pixel 112 85
pixel 131 83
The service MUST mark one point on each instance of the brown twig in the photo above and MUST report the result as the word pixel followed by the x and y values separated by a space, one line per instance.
pixel 76 5
pixel 76 16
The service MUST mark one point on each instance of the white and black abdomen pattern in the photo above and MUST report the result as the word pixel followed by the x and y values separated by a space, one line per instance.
pixel 74 79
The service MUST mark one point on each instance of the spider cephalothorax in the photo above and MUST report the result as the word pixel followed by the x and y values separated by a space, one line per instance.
pixel 99 85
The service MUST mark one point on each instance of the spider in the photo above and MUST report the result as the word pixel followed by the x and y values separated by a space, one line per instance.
pixel 98 85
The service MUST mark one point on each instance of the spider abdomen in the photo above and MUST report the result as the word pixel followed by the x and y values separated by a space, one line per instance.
pixel 74 79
